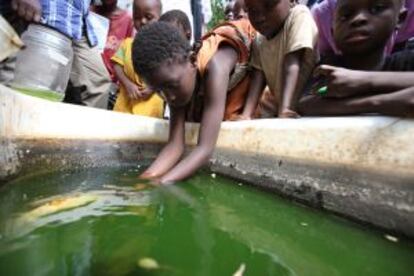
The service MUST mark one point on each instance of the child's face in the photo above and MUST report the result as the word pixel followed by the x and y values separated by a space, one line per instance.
pixel 239 9
pixel 235 10
pixel 175 81
pixel 145 12
pixel 268 16
pixel 362 26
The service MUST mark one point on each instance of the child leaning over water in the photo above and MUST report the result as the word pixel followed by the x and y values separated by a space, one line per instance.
pixel 283 56
pixel 371 82
pixel 133 96
pixel 208 86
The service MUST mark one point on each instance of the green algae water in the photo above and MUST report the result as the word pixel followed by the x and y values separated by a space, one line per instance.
pixel 41 93
pixel 107 222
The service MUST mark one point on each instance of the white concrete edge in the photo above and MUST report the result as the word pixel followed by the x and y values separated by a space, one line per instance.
pixel 372 143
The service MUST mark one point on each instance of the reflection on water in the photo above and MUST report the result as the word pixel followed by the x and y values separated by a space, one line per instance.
pixel 107 222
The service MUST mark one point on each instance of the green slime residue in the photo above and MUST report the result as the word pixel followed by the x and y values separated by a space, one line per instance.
pixel 204 226
pixel 42 94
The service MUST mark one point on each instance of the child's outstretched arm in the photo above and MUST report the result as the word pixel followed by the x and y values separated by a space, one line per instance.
pixel 342 83
pixel 291 69
pixel 257 85
pixel 174 149
pixel 216 84
pixel 399 103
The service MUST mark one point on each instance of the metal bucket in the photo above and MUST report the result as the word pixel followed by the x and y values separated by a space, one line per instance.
pixel 46 61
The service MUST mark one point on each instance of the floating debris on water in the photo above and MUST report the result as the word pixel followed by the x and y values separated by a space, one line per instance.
pixel 391 238
pixel 60 204
pixel 213 175
pixel 240 271
pixel 304 224
pixel 148 264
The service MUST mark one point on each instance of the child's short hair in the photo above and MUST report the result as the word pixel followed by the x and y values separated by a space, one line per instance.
pixel 179 17
pixel 159 3
pixel 155 44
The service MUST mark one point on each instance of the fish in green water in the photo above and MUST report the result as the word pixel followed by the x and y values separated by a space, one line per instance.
pixel 60 204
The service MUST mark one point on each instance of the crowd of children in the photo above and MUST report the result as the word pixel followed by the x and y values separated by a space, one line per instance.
pixel 271 58
pixel 282 75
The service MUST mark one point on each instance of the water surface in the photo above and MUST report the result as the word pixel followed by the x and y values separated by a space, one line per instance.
pixel 107 222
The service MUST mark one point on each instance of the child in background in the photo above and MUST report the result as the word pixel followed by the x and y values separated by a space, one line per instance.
pixel 134 97
pixel 235 10
pixel 179 20
pixel 283 56
pixel 323 12
pixel 206 84
pixel 120 28
pixel 372 82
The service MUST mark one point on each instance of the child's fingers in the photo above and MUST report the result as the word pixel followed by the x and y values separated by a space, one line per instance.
pixel 146 93
pixel 324 70
pixel 316 87
pixel 148 175
pixel 328 68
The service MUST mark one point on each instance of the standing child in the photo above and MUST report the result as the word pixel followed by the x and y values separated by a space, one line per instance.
pixel 120 28
pixel 134 97
pixel 206 86
pixel 283 55
pixel 372 82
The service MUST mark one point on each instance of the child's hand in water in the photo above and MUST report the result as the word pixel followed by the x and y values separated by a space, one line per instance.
pixel 341 82
pixel 148 175
pixel 161 182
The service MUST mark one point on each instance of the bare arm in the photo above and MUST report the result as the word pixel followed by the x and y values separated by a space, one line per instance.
pixel 119 73
pixel 217 81
pixel 399 103
pixel 257 86
pixel 342 83
pixel 389 81
pixel 291 69
pixel 174 149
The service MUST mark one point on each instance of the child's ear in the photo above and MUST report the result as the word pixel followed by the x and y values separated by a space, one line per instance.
pixel 194 52
pixel 193 58
pixel 401 17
